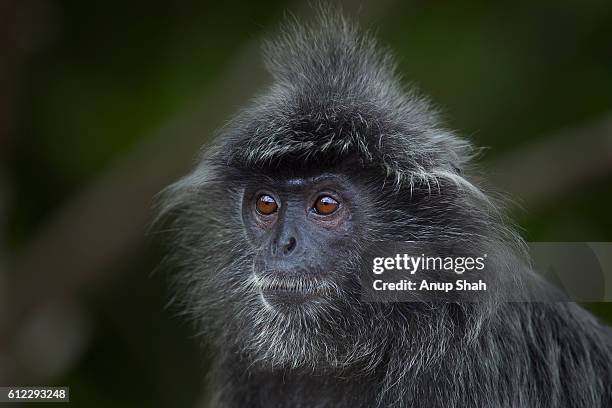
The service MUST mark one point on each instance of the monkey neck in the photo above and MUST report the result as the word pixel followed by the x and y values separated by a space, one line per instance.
pixel 294 387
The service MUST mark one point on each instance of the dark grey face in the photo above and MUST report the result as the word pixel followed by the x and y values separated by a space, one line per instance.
pixel 301 229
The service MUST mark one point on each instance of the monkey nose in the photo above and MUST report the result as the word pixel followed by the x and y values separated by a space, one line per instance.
pixel 289 246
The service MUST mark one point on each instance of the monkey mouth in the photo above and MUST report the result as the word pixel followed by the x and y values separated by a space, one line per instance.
pixel 291 290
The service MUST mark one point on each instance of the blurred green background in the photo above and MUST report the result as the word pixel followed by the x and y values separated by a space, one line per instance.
pixel 104 103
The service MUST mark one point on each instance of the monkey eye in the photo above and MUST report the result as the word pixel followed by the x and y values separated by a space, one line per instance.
pixel 325 205
pixel 266 205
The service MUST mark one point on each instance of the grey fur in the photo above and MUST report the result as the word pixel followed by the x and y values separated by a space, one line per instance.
pixel 336 101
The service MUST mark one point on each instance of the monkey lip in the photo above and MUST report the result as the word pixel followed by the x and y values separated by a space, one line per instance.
pixel 291 289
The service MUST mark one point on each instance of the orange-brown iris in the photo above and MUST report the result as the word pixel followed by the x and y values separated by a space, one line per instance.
pixel 325 205
pixel 266 205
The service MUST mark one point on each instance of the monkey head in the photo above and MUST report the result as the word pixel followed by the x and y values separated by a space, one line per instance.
pixel 269 229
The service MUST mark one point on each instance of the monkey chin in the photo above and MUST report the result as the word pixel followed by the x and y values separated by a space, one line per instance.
pixel 284 300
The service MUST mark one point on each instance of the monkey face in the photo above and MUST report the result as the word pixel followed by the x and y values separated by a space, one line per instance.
pixel 302 229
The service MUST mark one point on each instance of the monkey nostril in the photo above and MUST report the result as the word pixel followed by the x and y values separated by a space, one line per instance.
pixel 289 246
